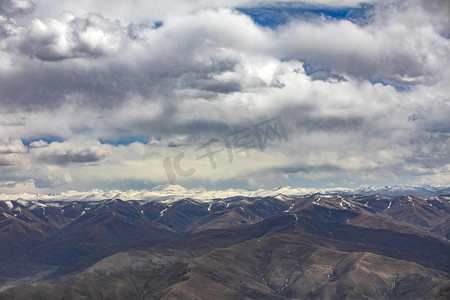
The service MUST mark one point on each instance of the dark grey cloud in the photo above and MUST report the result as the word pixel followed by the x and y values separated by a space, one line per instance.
pixel 221 87
pixel 48 86
pixel 330 124
pixel 431 150
pixel 327 76
pixel 8 160
pixel 308 169
pixel 64 159
pixel 70 152
pixel 16 7
pixel 44 178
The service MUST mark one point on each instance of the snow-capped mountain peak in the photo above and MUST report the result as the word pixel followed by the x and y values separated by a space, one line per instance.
pixel 169 188
pixel 169 192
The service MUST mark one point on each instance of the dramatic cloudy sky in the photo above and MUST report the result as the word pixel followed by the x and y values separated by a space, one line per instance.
pixel 126 94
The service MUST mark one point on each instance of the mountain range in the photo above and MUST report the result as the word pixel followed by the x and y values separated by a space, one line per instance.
pixel 176 192
pixel 278 245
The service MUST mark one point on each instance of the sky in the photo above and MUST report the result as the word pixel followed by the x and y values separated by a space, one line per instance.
pixel 223 94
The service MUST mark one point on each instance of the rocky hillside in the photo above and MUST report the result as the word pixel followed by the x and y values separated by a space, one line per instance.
pixel 278 247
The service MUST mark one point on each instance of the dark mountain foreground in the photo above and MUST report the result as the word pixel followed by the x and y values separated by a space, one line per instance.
pixel 309 247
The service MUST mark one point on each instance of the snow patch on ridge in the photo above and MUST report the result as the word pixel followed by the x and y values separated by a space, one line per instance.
pixel 161 214
pixel 170 193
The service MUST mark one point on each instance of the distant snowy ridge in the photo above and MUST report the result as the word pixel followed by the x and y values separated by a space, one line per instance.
pixel 176 192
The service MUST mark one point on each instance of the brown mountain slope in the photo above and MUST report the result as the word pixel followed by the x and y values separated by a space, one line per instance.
pixel 316 246
pixel 303 256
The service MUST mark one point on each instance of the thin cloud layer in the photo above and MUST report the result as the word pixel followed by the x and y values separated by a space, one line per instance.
pixel 94 97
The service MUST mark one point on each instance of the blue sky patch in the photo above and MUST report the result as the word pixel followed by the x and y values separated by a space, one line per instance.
pixel 397 86
pixel 48 139
pixel 125 140
pixel 273 16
